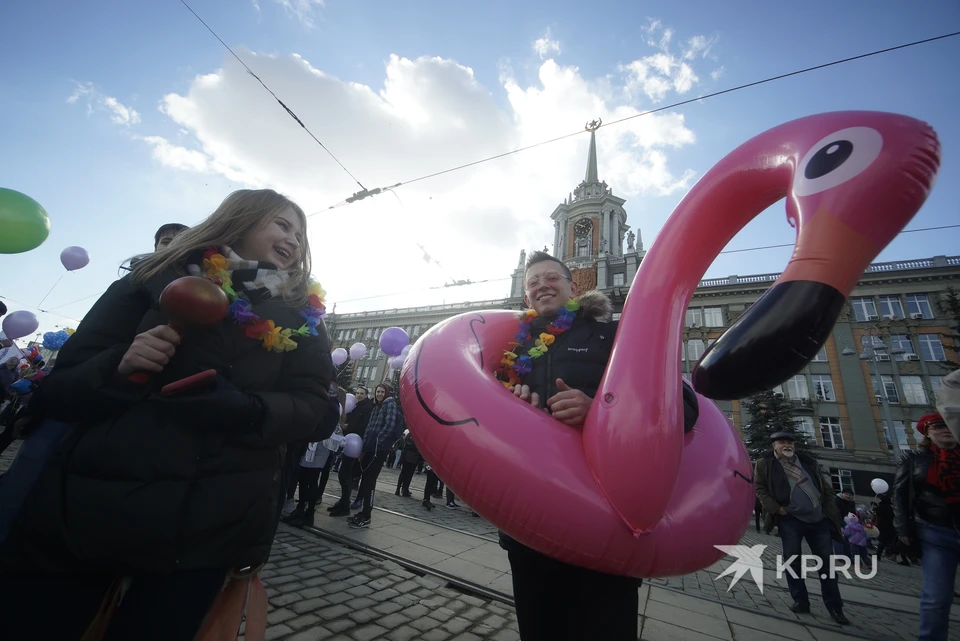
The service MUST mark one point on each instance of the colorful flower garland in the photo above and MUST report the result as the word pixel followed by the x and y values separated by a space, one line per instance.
pixel 513 366
pixel 272 336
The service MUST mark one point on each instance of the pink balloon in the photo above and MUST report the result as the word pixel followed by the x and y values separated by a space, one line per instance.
pixel 648 499
pixel 74 258
pixel 19 324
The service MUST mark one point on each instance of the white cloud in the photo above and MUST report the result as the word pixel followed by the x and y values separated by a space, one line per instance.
pixel 655 75
pixel 302 9
pixel 430 114
pixel 546 46
pixel 96 101
pixel 717 73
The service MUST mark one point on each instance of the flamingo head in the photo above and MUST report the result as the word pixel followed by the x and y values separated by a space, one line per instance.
pixel 853 180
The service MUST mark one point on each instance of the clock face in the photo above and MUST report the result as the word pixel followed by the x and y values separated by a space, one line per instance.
pixel 583 227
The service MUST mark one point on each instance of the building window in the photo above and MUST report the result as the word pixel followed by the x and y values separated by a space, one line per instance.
pixel 913 391
pixel 917 304
pixel 583 248
pixel 891 307
pixel 901 429
pixel 416 330
pixel 805 425
pixel 842 480
pixel 616 316
pixel 797 387
pixel 618 280
pixel 936 382
pixel 901 341
pixel 821 356
pixel 823 388
pixel 931 349
pixel 694 317
pixel 830 432
pixel 713 317
pixel 694 350
pixel 863 309
pixel 889 387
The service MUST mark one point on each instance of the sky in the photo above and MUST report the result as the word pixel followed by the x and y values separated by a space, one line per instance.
pixel 120 116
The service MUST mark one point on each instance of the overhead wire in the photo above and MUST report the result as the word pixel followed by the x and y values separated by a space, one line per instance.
pixel 648 112
pixel 275 97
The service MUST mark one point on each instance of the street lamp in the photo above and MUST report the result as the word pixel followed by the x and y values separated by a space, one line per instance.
pixel 870 354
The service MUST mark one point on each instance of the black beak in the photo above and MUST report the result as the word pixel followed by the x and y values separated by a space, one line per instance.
pixel 771 342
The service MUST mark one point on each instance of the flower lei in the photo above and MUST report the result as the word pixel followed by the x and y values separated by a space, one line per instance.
pixel 272 336
pixel 513 365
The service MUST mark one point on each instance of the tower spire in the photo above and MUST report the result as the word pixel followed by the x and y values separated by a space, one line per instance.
pixel 591 175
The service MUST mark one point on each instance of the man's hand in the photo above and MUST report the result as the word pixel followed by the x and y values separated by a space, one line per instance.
pixel 523 393
pixel 569 405
pixel 782 511
pixel 905 540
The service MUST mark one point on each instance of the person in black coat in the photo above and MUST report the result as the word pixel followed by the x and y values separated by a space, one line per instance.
pixel 173 491
pixel 556 601
pixel 356 424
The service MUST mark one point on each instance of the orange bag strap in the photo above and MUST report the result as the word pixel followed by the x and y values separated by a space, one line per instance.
pixel 242 594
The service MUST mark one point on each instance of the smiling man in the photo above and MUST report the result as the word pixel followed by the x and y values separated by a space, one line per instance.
pixel 554 600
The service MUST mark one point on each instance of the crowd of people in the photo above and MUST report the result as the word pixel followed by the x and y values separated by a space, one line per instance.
pixel 159 492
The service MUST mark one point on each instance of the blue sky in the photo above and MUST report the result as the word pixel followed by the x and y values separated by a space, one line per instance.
pixel 400 89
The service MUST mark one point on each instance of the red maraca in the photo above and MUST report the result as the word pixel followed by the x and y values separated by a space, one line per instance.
pixel 190 301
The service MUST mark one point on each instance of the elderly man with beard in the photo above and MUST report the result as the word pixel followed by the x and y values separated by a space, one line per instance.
pixel 796 493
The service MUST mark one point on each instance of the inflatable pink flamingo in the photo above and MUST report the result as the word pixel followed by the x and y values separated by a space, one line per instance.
pixel 630 493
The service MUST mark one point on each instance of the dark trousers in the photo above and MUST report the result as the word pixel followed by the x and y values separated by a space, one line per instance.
pixel 370 466
pixel 430 485
pixel 155 608
pixel 758 518
pixel 560 602
pixel 792 533
pixel 345 476
pixel 308 478
pixel 451 497
pixel 406 475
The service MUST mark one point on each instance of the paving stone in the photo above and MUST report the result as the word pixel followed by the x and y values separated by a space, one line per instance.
pixel 303 621
pixel 495 621
pixel 424 623
pixel 406 633
pixel 456 625
pixel 309 593
pixel 380 584
pixel 285 599
pixel 277 631
pixel 308 605
pixel 506 635
pixel 338 597
pixel 474 613
pixel 361 602
pixel 280 615
pixel 360 590
pixel 333 612
pixel 308 573
pixel 384 595
pixel 317 633
pixel 441 614
pixel 436 635
pixel 368 633
pixel 340 625
pixel 394 620
pixel 466 636
pixel 363 616
pixel 387 608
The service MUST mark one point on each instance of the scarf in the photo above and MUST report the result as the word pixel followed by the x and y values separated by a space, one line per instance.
pixel 795 470
pixel 944 473
pixel 257 281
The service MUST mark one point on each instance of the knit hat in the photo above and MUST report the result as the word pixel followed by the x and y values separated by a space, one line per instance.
pixel 928 420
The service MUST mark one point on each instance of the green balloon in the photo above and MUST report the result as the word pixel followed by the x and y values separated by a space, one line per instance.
pixel 24 224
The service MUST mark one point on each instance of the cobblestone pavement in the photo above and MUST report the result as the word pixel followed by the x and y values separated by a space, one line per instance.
pixel 321 590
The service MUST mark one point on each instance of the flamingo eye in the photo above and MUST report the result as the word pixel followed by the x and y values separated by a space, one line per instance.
pixel 836 159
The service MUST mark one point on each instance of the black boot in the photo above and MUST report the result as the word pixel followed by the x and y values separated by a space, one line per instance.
pixel 335 507
pixel 307 520
pixel 296 515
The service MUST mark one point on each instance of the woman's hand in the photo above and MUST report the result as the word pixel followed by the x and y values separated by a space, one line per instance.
pixel 150 351
pixel 905 540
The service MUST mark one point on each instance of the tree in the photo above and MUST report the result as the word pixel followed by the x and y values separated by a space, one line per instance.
pixel 345 376
pixel 769 413
pixel 950 303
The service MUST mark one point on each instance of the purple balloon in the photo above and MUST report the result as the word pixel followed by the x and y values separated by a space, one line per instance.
pixel 339 356
pixel 357 351
pixel 20 324
pixel 352 445
pixel 74 258
pixel 393 340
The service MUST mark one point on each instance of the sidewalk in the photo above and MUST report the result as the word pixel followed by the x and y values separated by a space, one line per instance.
pixel 697 606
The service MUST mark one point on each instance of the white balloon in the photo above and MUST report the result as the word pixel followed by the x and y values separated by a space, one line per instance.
pixel 398 361
pixel 391 362
pixel 357 351
pixel 879 486
pixel 339 356
pixel 351 402
pixel 405 350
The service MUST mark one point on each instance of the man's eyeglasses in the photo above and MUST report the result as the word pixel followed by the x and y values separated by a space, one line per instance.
pixel 550 278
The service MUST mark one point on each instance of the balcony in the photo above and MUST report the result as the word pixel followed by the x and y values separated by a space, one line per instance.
pixel 802 404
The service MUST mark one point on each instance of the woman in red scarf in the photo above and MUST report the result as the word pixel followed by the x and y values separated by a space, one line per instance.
pixel 926 506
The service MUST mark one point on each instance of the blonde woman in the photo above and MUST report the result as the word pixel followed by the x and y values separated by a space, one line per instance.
pixel 173 492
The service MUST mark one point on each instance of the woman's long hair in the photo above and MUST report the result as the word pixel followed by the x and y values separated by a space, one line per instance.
pixel 240 214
